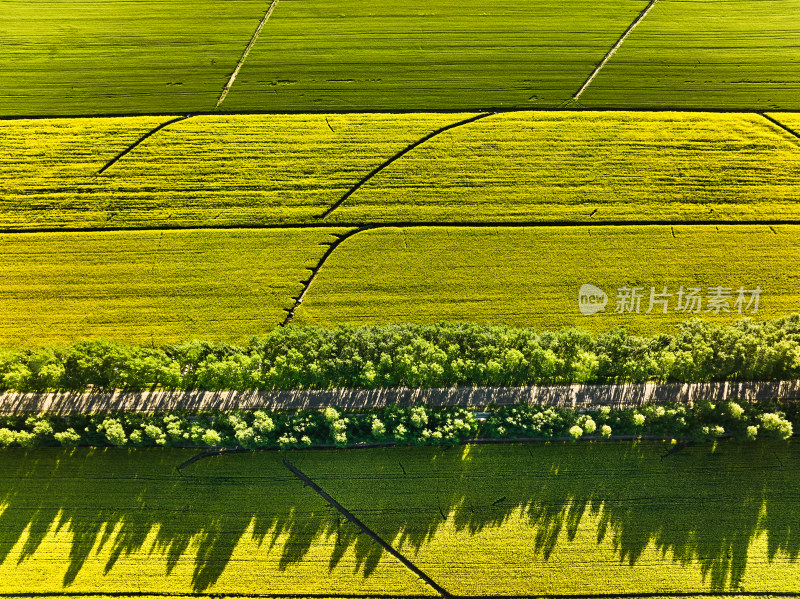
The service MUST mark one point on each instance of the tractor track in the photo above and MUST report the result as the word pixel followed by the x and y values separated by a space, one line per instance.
pixel 139 142
pixel 399 155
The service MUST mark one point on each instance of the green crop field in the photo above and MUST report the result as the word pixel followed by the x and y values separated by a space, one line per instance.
pixel 151 286
pixel 352 55
pixel 74 57
pixel 531 275
pixel 522 166
pixel 77 57
pixel 731 54
pixel 483 520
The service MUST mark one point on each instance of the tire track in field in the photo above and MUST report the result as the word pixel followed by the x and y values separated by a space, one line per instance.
pixel 399 155
pixel 139 141
pixel 315 271
pixel 777 123
pixel 614 48
pixel 365 529
pixel 249 47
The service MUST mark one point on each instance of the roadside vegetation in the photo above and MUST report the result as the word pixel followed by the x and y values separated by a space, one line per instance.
pixel 415 425
pixel 441 355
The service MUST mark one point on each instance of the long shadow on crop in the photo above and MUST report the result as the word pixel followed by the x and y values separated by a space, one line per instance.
pixel 698 505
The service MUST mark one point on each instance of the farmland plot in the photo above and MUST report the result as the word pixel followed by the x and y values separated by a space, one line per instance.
pixel 350 55
pixel 731 54
pixel 588 167
pixel 204 171
pixel 119 521
pixel 235 170
pixel 150 286
pixel 486 520
pixel 49 166
pixel 78 57
pixel 580 519
pixel 531 276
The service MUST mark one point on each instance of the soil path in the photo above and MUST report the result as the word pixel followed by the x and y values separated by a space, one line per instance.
pixel 626 395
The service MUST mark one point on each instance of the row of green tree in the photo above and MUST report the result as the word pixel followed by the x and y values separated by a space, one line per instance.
pixel 437 355
pixel 414 425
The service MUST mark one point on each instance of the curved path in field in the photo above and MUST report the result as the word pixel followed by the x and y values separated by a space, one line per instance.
pixel 623 395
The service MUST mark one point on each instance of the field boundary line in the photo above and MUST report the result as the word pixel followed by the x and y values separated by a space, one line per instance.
pixel 399 155
pixel 206 595
pixel 249 47
pixel 314 271
pixel 412 224
pixel 364 528
pixel 217 595
pixel 614 48
pixel 406 111
pixel 776 122
pixel 139 141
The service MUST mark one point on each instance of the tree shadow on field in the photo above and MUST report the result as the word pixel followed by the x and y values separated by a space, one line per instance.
pixel 697 506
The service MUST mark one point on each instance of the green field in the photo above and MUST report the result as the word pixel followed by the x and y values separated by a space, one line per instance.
pixel 74 57
pixel 151 286
pixel 531 275
pixel 350 55
pixel 79 57
pixel 728 54
pixel 503 520
pixel 522 166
